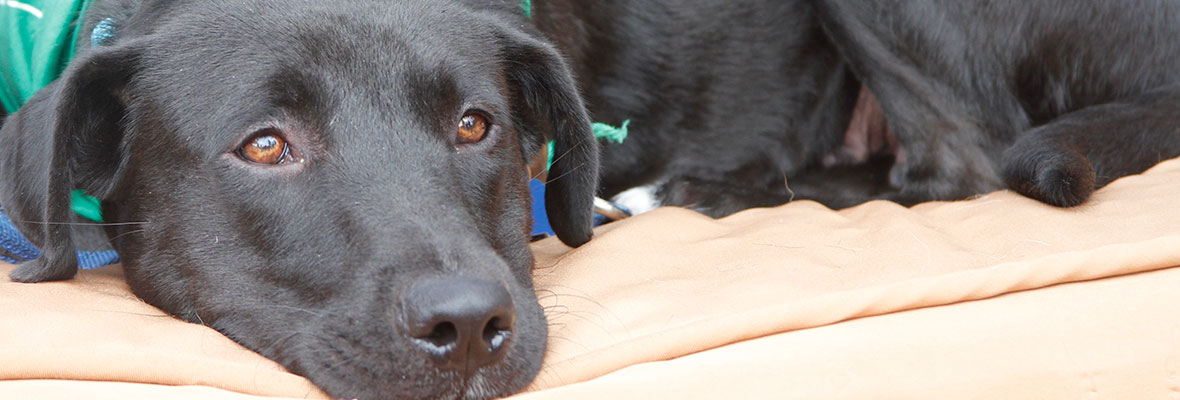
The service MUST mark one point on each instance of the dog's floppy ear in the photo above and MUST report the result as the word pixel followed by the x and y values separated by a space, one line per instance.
pixel 83 115
pixel 547 104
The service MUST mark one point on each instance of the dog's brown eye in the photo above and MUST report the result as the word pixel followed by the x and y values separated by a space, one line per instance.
pixel 266 147
pixel 472 128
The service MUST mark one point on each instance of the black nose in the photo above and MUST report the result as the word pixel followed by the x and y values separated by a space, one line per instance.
pixel 460 323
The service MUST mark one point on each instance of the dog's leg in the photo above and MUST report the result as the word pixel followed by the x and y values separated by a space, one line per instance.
pixel 1062 162
pixel 907 55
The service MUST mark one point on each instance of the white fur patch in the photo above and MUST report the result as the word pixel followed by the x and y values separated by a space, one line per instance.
pixel 639 199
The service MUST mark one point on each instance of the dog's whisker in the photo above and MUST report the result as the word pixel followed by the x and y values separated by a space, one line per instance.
pixel 581 345
pixel 284 339
pixel 556 295
pixel 558 158
pixel 86 223
pixel 567 152
pixel 572 170
pixel 555 311
pixel 580 315
pixel 545 294
pixel 128 233
pixel 138 314
pixel 293 308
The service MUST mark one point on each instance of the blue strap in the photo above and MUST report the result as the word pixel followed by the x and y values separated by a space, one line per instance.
pixel 541 218
pixel 15 244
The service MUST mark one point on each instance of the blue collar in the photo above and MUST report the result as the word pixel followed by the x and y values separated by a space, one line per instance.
pixel 16 249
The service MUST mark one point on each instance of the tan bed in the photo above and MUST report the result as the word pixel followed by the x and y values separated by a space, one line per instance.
pixel 997 297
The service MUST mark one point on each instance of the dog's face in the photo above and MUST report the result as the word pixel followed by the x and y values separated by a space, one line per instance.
pixel 340 187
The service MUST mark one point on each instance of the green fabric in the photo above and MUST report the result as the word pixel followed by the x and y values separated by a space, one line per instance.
pixel 88 207
pixel 37 40
pixel 604 131
pixel 601 131
pixel 527 7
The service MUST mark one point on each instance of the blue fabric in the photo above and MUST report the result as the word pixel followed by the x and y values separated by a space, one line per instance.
pixel 15 244
pixel 540 218
pixel 103 33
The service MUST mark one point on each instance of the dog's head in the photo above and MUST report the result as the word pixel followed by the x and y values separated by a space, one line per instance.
pixel 340 186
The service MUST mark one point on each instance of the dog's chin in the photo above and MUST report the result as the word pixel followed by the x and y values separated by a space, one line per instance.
pixel 494 381
pixel 508 377
pixel 485 383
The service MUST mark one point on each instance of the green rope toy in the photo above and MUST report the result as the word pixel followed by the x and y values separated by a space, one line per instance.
pixel 601 130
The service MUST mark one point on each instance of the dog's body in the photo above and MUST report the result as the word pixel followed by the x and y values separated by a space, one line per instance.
pixel 387 257
pixel 1051 98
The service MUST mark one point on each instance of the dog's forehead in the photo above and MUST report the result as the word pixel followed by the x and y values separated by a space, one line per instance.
pixel 410 58
pixel 381 31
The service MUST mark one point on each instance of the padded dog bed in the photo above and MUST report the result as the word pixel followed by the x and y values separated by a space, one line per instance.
pixel 995 297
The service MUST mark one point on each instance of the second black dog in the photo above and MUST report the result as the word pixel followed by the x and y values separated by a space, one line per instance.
pixel 1050 98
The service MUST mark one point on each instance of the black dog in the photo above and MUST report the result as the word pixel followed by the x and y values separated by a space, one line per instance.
pixel 337 185
pixel 1052 98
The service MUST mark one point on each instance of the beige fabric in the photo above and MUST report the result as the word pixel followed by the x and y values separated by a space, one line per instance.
pixel 997 297
pixel 93 328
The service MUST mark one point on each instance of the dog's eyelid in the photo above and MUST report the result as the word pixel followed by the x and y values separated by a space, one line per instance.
pixel 485 112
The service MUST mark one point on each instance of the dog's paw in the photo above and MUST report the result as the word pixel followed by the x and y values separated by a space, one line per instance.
pixel 717 198
pixel 1057 176
pixel 41 270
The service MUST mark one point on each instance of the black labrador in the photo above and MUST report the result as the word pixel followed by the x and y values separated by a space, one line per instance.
pixel 1050 98
pixel 337 185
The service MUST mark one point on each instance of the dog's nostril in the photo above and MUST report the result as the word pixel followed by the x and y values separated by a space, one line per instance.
pixel 460 323
pixel 496 333
pixel 443 334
